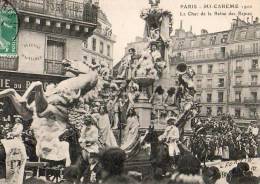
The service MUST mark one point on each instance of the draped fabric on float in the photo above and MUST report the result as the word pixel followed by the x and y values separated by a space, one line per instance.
pixel 15 160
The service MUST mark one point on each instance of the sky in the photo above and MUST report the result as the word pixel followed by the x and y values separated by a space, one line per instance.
pixel 127 24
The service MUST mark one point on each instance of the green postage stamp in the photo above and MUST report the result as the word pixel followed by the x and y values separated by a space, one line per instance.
pixel 8 32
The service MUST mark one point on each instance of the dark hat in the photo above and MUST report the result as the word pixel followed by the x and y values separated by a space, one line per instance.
pixel 131 49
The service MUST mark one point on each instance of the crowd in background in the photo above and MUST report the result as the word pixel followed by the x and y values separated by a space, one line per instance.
pixel 221 138
pixel 111 170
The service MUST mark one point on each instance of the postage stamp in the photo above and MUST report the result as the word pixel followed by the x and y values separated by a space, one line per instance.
pixel 8 32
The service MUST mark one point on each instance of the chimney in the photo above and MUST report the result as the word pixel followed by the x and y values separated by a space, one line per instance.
pixel 191 29
pixel 256 20
pixel 181 24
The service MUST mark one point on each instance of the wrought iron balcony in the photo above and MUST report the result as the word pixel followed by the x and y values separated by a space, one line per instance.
pixel 254 69
pixel 214 56
pixel 253 84
pixel 244 53
pixel 54 67
pixel 59 8
pixel 8 63
pixel 251 101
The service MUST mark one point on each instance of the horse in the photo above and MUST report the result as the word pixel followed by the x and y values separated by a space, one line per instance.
pixel 79 166
pixel 159 156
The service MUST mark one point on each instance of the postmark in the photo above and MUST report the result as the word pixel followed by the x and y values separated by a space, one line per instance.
pixel 9 27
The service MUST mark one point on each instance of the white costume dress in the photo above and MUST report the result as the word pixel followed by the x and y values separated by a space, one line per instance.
pixel 171 134
pixel 105 132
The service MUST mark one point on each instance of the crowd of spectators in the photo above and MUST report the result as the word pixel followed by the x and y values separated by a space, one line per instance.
pixel 221 138
pixel 188 171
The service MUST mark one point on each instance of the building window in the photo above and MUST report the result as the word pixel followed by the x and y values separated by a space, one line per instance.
pixel 199 83
pixel 220 97
pixel 101 47
pixel 220 110
pixel 224 38
pixel 238 80
pixel 238 64
pixel 243 34
pixel 209 97
pixel 253 113
pixel 203 41
pixel 94 44
pixel 209 83
pixel 55 55
pixel 254 63
pixel 238 96
pixel 213 40
pixel 199 69
pixel 237 113
pixel 85 44
pixel 257 34
pixel 209 111
pixel 221 67
pixel 221 82
pixel 254 79
pixel 200 54
pixel 240 48
pixel 255 47
pixel 210 68
pixel 108 50
pixel 198 97
pixel 254 96
pixel 192 43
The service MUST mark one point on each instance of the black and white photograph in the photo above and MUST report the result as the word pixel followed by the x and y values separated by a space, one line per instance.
pixel 129 92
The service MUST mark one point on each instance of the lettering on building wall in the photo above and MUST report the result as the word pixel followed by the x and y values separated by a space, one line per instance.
pixel 31 52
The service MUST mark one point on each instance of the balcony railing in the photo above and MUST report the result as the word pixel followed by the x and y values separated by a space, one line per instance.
pixel 244 53
pixel 205 57
pixel 253 84
pixel 254 69
pixel 60 8
pixel 54 67
pixel 251 101
pixel 8 63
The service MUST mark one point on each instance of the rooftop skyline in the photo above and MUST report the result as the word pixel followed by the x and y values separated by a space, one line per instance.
pixel 127 24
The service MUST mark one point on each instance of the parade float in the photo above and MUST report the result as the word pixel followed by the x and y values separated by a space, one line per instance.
pixel 145 71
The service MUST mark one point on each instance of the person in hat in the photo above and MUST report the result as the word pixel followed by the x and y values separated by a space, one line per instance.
pixel 88 137
pixel 171 136
pixel 17 129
